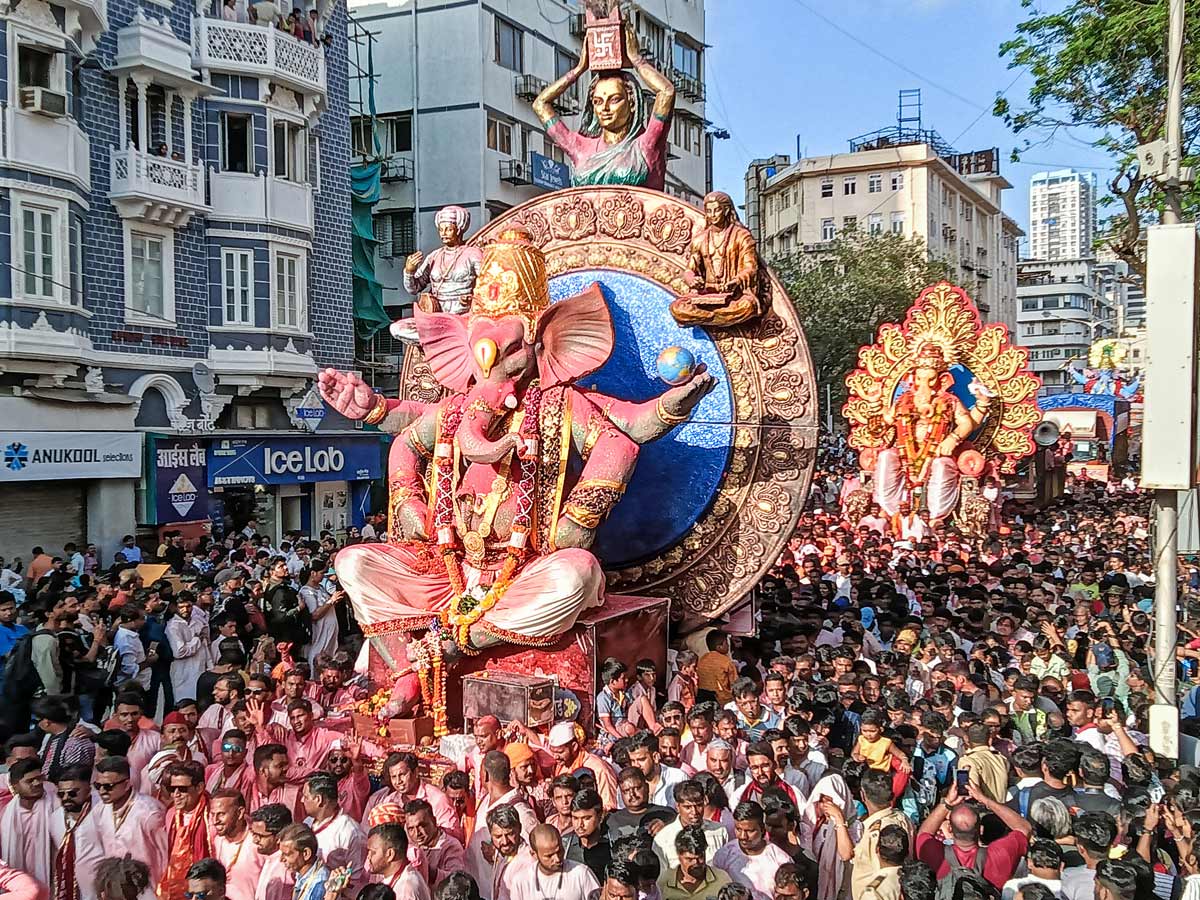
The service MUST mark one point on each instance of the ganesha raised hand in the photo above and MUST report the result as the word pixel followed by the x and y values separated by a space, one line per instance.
pixel 347 393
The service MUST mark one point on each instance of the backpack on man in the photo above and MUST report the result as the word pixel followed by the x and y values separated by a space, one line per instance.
pixel 21 678
pixel 945 888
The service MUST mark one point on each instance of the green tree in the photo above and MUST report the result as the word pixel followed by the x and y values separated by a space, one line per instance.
pixel 844 293
pixel 1101 64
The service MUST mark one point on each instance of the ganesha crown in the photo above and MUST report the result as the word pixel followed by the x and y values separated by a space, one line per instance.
pixel 512 279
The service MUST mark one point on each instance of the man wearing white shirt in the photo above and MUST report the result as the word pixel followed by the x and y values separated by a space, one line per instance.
pixel 643 754
pixel 74 557
pixel 135 664
pixel 387 861
pixel 689 803
pixel 339 838
pixel 1045 867
pixel 554 877
pixel 750 860
pixel 1081 714
pixel 368 530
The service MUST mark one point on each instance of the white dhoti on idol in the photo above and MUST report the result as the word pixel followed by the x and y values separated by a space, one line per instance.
pixel 891 484
pixel 401 587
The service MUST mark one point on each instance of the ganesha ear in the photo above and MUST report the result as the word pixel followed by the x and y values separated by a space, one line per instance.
pixel 576 337
pixel 447 351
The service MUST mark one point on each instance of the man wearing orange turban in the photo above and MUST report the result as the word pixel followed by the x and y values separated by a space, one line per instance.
pixel 527 776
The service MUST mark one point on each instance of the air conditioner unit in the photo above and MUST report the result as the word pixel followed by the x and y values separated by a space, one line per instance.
pixel 515 171
pixel 44 101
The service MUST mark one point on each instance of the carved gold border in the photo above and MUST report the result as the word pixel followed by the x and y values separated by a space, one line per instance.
pixel 946 315
pixel 771 378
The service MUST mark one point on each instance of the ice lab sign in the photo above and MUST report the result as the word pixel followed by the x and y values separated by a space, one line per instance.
pixel 182 479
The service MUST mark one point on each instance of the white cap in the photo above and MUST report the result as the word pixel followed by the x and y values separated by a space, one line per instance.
pixel 562 734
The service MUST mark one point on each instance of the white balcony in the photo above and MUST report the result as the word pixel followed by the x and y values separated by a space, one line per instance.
pixel 255 50
pixel 148 48
pixel 156 189
pixel 49 145
pixel 85 21
pixel 261 199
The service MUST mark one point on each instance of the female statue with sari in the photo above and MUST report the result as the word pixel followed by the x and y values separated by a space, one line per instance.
pixel 619 141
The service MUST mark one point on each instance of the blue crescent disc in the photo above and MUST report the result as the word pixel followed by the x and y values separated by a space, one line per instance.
pixel 677 476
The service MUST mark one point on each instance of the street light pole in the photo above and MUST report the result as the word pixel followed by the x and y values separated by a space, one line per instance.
pixel 1166 525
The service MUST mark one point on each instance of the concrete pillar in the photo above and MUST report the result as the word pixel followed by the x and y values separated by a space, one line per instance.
pixel 111 514
pixel 187 127
pixel 143 113
pixel 168 120
pixel 123 125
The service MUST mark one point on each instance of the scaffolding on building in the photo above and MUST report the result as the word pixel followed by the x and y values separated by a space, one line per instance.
pixel 907 130
pixel 378 357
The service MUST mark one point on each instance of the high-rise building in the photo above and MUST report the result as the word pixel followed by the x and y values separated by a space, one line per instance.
pixel 175 267
pixel 1062 215
pixel 454 85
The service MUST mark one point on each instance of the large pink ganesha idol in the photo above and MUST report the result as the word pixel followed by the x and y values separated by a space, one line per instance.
pixel 497 491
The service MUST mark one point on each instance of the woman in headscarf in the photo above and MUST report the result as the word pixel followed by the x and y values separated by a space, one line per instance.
pixel 818 832
pixel 619 141
pixel 448 273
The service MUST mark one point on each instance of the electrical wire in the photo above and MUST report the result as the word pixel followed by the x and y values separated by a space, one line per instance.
pixel 975 121
pixel 884 56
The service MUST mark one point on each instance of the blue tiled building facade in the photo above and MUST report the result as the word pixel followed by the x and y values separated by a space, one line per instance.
pixel 174 261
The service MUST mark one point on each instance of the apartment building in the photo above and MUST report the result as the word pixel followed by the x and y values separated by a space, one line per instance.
pixel 1062 214
pixel 165 300
pixel 914 186
pixel 454 88
pixel 1066 305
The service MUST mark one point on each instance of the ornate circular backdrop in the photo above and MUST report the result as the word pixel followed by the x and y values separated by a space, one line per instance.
pixel 711 504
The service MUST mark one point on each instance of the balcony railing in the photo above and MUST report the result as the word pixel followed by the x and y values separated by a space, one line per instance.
pixel 257 50
pixel 155 189
pixel 688 86
pixel 398 168
pixel 527 87
pixel 241 197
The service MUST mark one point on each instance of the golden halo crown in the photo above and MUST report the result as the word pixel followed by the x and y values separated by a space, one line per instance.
pixel 931 356
pixel 512 280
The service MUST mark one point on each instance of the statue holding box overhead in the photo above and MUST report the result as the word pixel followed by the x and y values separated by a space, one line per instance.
pixel 619 141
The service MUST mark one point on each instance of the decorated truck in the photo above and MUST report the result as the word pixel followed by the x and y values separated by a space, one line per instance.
pixel 1094 428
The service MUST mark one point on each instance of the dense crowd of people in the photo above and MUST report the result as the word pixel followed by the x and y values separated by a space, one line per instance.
pixel 922 715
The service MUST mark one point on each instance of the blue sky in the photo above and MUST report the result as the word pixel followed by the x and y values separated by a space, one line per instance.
pixel 776 70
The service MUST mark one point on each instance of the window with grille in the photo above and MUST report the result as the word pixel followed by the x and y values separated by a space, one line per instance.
pixel 396 233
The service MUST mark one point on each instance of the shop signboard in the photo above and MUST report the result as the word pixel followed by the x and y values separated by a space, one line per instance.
pixel 181 493
pixel 549 173
pixel 62 455
pixel 287 460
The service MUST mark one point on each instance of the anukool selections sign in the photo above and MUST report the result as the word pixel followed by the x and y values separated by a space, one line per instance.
pixel 56 455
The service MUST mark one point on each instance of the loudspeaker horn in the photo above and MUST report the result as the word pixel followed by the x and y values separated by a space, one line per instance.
pixel 1046 434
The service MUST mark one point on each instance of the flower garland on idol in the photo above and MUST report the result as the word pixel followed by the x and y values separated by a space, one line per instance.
pixel 468 607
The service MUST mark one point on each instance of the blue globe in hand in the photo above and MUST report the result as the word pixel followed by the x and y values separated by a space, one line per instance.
pixel 676 365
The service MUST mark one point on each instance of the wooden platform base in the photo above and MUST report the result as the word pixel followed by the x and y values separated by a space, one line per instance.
pixel 629 628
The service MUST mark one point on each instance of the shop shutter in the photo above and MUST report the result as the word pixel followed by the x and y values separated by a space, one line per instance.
pixel 42 513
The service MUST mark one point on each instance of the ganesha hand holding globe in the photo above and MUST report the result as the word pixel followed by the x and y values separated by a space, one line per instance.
pixel 491 529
